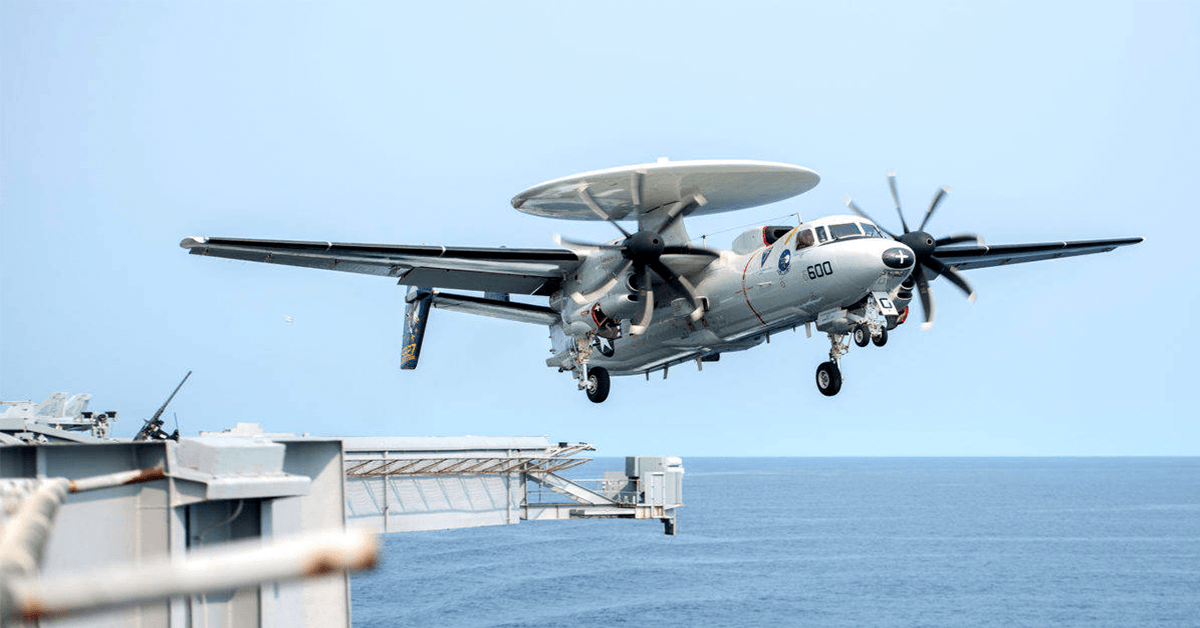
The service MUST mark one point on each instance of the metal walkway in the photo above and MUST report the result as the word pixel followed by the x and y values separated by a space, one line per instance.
pixel 431 483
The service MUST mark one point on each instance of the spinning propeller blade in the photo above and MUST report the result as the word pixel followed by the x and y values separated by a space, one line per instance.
pixel 959 239
pixel 926 247
pixel 891 177
pixel 937 198
pixel 586 196
pixel 680 284
pixel 926 297
pixel 638 327
pixel 953 275
pixel 854 208
pixel 576 244
pixel 689 250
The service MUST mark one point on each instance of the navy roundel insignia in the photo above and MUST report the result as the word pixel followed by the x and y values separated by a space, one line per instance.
pixel 785 261
pixel 898 258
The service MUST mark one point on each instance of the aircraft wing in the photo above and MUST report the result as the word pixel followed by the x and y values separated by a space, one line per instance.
pixel 968 257
pixel 514 271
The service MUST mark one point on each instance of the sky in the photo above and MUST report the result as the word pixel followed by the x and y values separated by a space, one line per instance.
pixel 125 127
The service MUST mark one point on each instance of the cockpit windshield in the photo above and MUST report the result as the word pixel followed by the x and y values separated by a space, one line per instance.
pixel 871 230
pixel 844 230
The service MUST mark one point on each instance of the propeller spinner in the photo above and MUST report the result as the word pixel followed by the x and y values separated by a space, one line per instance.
pixel 925 246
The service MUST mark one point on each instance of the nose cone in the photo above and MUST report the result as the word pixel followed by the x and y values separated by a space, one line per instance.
pixel 899 257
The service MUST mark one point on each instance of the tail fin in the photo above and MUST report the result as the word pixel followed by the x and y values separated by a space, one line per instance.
pixel 52 406
pixel 77 405
pixel 416 315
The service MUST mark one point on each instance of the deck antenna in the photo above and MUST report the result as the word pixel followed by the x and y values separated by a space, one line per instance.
pixel 153 430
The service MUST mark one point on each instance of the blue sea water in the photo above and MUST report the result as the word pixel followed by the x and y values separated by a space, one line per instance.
pixel 830 542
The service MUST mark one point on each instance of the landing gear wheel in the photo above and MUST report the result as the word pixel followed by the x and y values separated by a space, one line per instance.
pixel 829 379
pixel 597 384
pixel 881 339
pixel 862 335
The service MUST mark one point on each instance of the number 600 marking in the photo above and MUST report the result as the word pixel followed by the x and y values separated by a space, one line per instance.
pixel 820 270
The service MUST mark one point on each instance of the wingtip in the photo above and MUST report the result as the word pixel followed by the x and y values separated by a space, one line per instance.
pixel 192 241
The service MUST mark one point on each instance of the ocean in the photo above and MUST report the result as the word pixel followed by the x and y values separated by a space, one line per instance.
pixel 829 542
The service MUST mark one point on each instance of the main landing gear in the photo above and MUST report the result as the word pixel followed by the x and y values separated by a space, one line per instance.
pixel 829 375
pixel 829 378
pixel 597 384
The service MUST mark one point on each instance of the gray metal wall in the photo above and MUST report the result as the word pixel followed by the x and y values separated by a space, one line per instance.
pixel 132 523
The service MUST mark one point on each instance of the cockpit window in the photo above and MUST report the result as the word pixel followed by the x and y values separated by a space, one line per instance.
pixel 821 235
pixel 844 230
pixel 871 230
pixel 805 239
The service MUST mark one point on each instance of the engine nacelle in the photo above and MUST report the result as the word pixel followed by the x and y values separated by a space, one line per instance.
pixel 901 297
pixel 903 294
pixel 601 315
pixel 619 304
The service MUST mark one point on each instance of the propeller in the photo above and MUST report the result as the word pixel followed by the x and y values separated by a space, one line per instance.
pixel 643 253
pixel 925 247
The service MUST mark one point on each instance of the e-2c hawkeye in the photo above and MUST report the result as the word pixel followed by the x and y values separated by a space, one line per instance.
pixel 651 298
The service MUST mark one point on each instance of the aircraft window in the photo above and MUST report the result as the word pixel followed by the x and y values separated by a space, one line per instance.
pixel 805 239
pixel 844 230
pixel 871 230
pixel 821 235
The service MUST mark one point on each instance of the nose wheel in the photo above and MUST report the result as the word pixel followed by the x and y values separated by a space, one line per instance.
pixel 862 335
pixel 829 378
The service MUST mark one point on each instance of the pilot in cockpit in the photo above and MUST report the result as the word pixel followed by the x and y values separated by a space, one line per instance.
pixel 805 239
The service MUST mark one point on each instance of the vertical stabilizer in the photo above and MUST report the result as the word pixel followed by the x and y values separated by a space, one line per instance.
pixel 77 405
pixel 416 315
pixel 52 406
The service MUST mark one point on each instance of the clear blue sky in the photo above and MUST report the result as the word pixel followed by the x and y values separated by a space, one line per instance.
pixel 127 126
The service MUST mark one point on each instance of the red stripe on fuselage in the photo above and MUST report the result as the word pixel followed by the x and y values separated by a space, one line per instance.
pixel 746 294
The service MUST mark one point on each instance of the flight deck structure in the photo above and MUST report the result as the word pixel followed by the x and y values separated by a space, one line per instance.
pixel 246 528
pixel 432 483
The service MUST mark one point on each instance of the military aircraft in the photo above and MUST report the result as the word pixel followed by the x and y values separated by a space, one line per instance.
pixel 651 299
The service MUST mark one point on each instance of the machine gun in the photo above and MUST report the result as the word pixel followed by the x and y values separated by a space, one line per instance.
pixel 153 429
